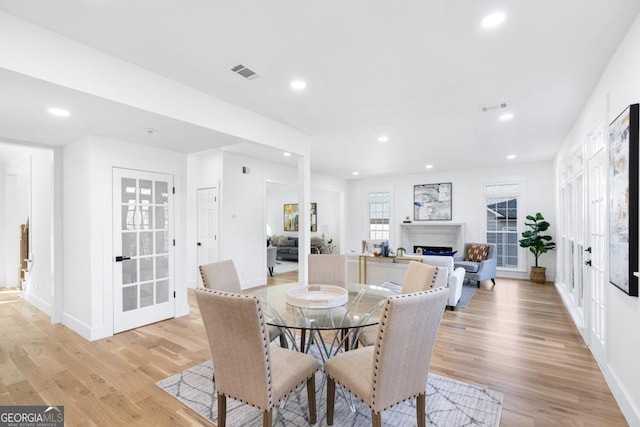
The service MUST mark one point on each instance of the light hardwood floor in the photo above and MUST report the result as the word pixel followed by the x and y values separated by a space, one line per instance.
pixel 515 338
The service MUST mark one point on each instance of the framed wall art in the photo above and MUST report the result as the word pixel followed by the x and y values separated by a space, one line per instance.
pixel 291 217
pixel 623 200
pixel 432 202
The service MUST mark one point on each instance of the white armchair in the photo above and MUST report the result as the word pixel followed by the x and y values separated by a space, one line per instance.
pixel 448 276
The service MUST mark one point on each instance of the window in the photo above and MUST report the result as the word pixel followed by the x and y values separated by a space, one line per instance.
pixel 379 214
pixel 502 222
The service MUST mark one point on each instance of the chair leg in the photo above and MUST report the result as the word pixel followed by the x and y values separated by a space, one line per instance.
pixel 283 341
pixel 376 419
pixel 493 281
pixel 311 397
pixel 420 410
pixel 331 400
pixel 266 418
pixel 222 410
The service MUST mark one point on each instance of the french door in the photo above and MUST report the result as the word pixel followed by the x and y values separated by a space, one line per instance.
pixel 143 287
pixel 597 274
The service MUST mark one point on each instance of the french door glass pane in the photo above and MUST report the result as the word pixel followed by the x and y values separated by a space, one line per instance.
pixel 146 243
pixel 129 244
pixel 146 269
pixel 129 271
pixel 162 267
pixel 162 291
pixel 129 298
pixel 146 294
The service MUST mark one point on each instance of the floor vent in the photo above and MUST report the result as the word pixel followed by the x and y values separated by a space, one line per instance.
pixel 245 72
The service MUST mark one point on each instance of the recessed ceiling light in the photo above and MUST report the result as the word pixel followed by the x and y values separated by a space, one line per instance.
pixel 511 156
pixel 506 116
pixel 354 173
pixel 298 84
pixel 286 154
pixel 493 20
pixel 383 138
pixel 58 112
pixel 428 166
pixel 150 131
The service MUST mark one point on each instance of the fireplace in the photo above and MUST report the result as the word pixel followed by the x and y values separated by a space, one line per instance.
pixel 438 235
pixel 419 249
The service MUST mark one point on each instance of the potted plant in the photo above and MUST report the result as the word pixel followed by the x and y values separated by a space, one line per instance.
pixel 538 244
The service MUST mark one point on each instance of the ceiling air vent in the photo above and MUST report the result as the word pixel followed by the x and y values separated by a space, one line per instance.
pixel 493 107
pixel 245 72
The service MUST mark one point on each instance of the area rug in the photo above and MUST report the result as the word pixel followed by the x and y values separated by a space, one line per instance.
pixel 468 291
pixel 284 267
pixel 450 403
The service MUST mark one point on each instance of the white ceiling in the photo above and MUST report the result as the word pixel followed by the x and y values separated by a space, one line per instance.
pixel 415 70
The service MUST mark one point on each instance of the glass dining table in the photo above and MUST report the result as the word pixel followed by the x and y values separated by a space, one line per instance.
pixel 330 327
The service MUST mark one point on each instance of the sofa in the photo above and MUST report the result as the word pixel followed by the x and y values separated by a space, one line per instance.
pixel 387 273
pixel 287 247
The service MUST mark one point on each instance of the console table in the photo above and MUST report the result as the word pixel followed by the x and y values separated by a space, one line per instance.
pixel 364 258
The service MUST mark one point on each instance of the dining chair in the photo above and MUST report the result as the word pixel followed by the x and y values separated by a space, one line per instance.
pixel 328 269
pixel 247 368
pixel 223 276
pixel 396 368
pixel 419 277
pixel 325 269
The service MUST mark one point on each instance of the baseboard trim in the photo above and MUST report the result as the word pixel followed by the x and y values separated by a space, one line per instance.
pixel 38 303
pixel 630 411
pixel 76 326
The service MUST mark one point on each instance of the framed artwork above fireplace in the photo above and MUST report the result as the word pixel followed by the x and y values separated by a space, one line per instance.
pixel 432 202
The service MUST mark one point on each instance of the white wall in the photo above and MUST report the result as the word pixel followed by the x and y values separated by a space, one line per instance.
pixel 88 222
pixel 468 202
pixel 618 88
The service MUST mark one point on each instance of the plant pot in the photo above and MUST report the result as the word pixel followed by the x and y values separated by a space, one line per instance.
pixel 538 274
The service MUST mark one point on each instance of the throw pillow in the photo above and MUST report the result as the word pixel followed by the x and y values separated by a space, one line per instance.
pixel 477 253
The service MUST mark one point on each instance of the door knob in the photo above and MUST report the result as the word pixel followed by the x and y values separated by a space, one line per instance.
pixel 199 244
pixel 122 258
pixel 588 262
pixel 588 249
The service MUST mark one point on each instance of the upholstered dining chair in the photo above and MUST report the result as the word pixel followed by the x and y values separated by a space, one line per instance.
pixel 325 269
pixel 247 368
pixel 328 269
pixel 419 277
pixel 223 276
pixel 397 367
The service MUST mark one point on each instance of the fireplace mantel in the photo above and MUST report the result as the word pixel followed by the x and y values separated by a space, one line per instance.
pixel 432 233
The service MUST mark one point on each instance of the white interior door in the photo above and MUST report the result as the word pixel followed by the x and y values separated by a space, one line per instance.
pixel 207 239
pixel 596 274
pixel 143 248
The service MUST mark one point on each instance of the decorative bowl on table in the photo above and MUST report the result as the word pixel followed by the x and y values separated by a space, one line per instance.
pixel 317 296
